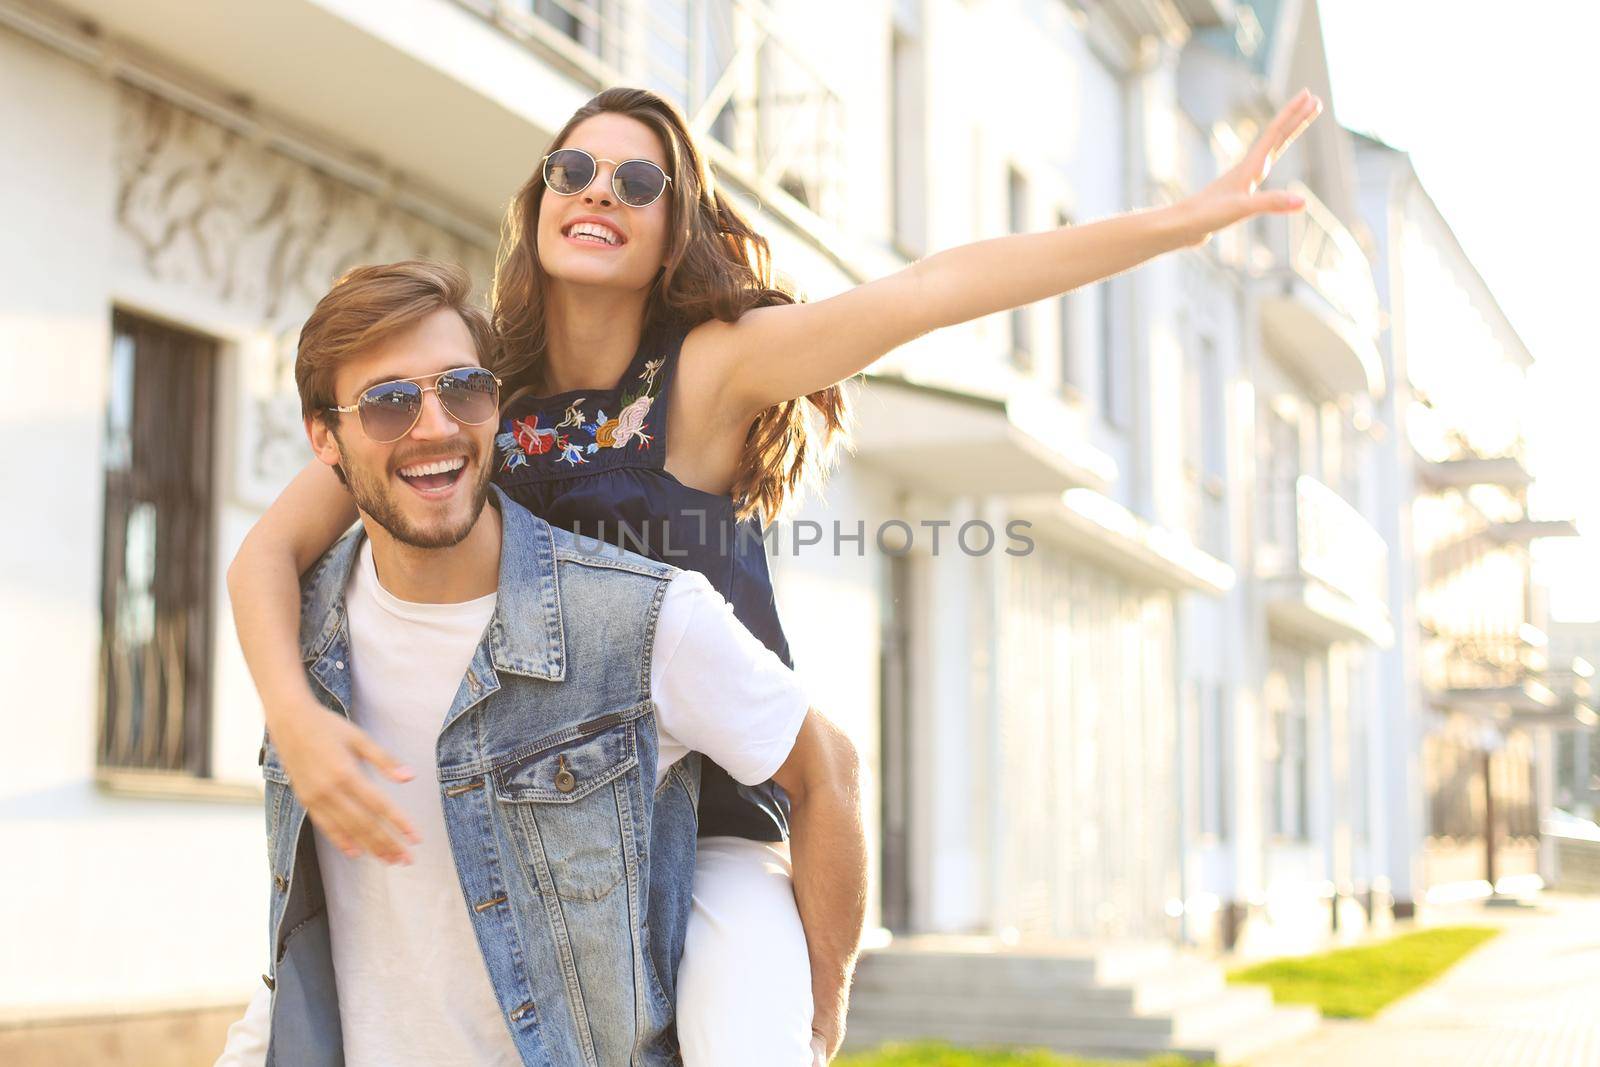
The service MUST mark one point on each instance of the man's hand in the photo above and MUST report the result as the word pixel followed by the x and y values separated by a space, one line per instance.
pixel 323 753
pixel 828 1011
pixel 828 845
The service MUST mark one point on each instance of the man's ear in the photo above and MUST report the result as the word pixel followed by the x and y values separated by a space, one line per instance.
pixel 323 441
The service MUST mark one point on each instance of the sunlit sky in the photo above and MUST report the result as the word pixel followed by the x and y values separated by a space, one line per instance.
pixel 1493 102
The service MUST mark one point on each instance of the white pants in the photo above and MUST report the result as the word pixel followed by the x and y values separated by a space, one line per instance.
pixel 744 985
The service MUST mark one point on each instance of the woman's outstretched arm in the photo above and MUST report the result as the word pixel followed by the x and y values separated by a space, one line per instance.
pixel 321 750
pixel 774 354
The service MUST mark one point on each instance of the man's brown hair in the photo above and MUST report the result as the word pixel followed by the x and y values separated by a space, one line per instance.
pixel 369 304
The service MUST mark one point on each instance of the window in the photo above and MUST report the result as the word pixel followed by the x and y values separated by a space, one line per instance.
pixel 1205 440
pixel 1021 320
pixel 578 19
pixel 1281 472
pixel 1284 746
pixel 908 146
pixel 1111 369
pixel 1067 329
pixel 1216 758
pixel 1213 417
pixel 897 796
pixel 156 570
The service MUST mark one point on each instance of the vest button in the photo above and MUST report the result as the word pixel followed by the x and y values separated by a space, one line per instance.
pixel 565 782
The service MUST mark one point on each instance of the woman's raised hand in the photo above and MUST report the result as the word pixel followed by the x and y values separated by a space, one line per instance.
pixel 323 753
pixel 1237 194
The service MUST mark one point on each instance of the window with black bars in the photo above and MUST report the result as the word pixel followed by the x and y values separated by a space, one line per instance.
pixel 1017 211
pixel 155 663
pixel 1067 330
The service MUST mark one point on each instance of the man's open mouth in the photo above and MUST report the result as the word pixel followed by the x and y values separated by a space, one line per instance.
pixel 434 476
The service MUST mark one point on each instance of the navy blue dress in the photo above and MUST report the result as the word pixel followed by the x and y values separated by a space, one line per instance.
pixel 593 461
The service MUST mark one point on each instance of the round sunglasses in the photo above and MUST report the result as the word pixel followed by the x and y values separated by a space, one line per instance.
pixel 636 182
pixel 388 410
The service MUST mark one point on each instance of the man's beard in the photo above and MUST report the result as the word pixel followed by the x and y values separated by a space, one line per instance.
pixel 374 498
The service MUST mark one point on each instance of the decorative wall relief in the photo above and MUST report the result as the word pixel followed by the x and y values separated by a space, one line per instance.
pixel 219 218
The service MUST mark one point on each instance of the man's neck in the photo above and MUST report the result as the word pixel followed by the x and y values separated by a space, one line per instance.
pixel 591 335
pixel 465 571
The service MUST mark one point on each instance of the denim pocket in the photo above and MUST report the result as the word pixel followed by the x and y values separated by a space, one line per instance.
pixel 276 795
pixel 272 767
pixel 568 804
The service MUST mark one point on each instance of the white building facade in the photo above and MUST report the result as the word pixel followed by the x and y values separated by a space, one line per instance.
pixel 1477 694
pixel 1101 596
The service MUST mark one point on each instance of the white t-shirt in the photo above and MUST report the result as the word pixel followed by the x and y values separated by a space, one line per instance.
pixel 412 985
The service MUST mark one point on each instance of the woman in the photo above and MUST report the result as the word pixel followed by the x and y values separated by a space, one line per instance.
pixel 660 387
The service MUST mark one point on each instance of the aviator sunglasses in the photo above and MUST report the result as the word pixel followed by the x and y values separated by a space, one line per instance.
pixel 470 395
pixel 637 182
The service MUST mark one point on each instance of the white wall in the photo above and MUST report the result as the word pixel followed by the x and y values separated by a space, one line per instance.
pixel 115 199
pixel 100 884
pixel 830 600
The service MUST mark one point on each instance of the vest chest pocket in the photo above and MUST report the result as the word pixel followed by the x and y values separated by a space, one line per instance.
pixel 568 805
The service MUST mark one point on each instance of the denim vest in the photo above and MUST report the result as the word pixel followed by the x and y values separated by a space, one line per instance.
pixel 575 870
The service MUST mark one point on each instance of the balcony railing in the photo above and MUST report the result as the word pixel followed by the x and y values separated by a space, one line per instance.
pixel 1320 306
pixel 1504 668
pixel 776 120
pixel 1312 531
pixel 1459 446
pixel 1487 659
pixel 1324 252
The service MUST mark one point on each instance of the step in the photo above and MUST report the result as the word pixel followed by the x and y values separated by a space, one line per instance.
pixel 1183 981
pixel 872 981
pixel 1288 1022
pixel 1278 1026
pixel 1126 1001
pixel 1228 1011
pixel 1186 981
pixel 1110 1041
pixel 942 962
pixel 1202 1015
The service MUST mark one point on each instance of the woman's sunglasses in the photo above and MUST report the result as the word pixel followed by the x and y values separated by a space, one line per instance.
pixel 637 182
pixel 470 395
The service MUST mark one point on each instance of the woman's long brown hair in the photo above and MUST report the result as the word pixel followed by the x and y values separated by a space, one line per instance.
pixel 717 267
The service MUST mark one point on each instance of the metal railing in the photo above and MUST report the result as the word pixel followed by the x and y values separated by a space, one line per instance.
pixel 155 655
pixel 1461 447
pixel 726 63
pixel 1486 659
pixel 1311 530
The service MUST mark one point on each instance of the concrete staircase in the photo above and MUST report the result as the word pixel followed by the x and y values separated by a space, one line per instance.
pixel 1116 1001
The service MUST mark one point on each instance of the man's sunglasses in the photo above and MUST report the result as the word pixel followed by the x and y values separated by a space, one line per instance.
pixel 470 395
pixel 636 182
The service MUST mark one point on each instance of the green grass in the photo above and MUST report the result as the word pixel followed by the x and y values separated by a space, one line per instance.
pixel 1357 983
pixel 932 1054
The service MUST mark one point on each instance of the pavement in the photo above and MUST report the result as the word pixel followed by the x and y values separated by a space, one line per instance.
pixel 1528 998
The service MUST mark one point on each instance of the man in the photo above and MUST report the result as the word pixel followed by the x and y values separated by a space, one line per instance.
pixel 559 695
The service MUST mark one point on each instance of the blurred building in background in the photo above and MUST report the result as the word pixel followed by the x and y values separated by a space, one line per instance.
pixel 1577 755
pixel 1281 694
pixel 1193 705
pixel 1476 694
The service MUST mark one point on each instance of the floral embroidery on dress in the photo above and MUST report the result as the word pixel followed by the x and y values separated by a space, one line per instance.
pixel 523 439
